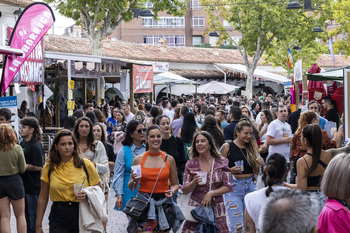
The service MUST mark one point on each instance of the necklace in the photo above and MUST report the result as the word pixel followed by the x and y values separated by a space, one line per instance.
pixel 244 156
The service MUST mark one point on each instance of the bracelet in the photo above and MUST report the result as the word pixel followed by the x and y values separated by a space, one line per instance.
pixel 212 193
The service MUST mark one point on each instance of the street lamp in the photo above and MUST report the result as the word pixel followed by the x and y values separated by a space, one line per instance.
pixel 143 13
pixel 294 6
pixel 318 29
pixel 17 13
pixel 214 34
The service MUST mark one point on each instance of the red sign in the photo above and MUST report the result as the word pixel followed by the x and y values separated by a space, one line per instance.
pixel 143 78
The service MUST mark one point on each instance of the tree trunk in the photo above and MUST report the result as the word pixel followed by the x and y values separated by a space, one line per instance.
pixel 249 83
pixel 96 44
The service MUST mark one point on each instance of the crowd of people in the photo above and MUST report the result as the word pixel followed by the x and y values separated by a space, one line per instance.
pixel 253 164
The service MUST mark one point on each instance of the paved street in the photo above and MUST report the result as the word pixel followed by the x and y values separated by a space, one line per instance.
pixel 117 220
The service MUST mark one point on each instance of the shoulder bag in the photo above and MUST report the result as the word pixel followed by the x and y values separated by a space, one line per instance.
pixel 187 213
pixel 138 207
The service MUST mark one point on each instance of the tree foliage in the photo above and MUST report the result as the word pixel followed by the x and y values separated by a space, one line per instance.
pixel 100 18
pixel 268 28
pixel 341 15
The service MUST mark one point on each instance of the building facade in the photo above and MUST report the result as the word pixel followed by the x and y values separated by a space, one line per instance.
pixel 189 30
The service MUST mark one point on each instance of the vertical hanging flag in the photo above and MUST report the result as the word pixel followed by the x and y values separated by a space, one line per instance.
pixel 30 28
pixel 330 46
pixel 290 59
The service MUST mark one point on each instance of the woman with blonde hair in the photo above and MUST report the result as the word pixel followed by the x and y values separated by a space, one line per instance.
pixel 11 184
pixel 244 162
pixel 335 216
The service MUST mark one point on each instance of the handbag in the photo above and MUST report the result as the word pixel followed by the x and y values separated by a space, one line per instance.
pixel 138 207
pixel 188 210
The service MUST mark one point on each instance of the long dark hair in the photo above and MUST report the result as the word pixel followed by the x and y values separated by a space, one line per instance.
pixel 54 158
pixel 188 128
pixel 276 166
pixel 33 123
pixel 90 137
pixel 103 135
pixel 69 122
pixel 210 125
pixel 130 128
pixel 154 113
pixel 268 116
pixel 313 135
pixel 213 150
pixel 91 115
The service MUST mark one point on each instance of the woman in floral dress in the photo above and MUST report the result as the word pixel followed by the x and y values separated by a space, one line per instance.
pixel 204 153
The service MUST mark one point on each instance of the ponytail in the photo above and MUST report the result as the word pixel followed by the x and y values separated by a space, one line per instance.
pixel 276 167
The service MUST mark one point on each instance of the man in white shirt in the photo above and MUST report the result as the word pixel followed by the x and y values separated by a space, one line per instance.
pixel 166 110
pixel 279 134
pixel 128 115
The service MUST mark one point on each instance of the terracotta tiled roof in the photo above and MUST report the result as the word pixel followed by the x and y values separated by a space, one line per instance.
pixel 20 3
pixel 147 52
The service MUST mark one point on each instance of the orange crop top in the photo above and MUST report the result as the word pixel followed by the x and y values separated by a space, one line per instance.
pixel 149 176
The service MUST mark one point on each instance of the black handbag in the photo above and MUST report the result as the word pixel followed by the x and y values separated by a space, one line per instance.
pixel 138 207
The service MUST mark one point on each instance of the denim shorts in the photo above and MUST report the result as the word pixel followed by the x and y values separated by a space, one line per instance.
pixel 11 187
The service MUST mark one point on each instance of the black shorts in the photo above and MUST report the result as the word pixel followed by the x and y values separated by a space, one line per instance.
pixel 12 187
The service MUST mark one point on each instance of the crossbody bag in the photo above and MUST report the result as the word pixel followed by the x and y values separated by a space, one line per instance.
pixel 138 207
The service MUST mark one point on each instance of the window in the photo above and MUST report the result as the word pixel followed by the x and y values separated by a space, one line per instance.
pixel 147 22
pixel 226 24
pixel 173 40
pixel 196 40
pixel 148 4
pixel 163 22
pixel 196 4
pixel 197 22
pixel 233 38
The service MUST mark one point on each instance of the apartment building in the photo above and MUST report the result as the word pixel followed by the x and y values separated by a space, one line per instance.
pixel 188 30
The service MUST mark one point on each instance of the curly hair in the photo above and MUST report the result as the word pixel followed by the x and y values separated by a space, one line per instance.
pixel 210 125
pixel 8 137
pixel 54 158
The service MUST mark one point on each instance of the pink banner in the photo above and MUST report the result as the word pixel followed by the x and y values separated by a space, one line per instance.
pixel 30 28
pixel 143 78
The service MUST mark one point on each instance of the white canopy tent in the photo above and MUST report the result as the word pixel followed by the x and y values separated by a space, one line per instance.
pixel 215 87
pixel 176 84
pixel 168 78
pixel 267 76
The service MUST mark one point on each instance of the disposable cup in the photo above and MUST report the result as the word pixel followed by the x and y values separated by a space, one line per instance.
pixel 77 188
pixel 137 170
pixel 240 163
pixel 203 176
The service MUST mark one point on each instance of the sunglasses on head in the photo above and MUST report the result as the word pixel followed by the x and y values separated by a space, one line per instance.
pixel 140 131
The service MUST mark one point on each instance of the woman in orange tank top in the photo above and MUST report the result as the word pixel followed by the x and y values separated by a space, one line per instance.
pixel 151 162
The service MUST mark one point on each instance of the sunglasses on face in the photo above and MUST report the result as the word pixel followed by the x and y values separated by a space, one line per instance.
pixel 140 131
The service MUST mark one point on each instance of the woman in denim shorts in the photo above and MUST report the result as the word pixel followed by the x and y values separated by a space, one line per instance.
pixel 11 184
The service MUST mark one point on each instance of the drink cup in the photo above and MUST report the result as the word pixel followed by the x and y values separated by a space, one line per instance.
pixel 137 170
pixel 240 163
pixel 77 188
pixel 203 176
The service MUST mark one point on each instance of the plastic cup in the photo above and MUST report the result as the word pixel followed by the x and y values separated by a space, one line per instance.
pixel 203 176
pixel 137 170
pixel 240 163
pixel 77 188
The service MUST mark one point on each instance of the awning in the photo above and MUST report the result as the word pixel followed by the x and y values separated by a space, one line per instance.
pixel 336 74
pixel 266 76
pixel 168 78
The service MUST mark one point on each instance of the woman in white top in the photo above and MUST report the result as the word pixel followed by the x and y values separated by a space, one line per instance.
pixel 266 119
pixel 275 170
pixel 92 149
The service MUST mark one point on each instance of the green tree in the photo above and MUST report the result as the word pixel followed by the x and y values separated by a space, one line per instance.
pixel 100 18
pixel 267 27
pixel 341 15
